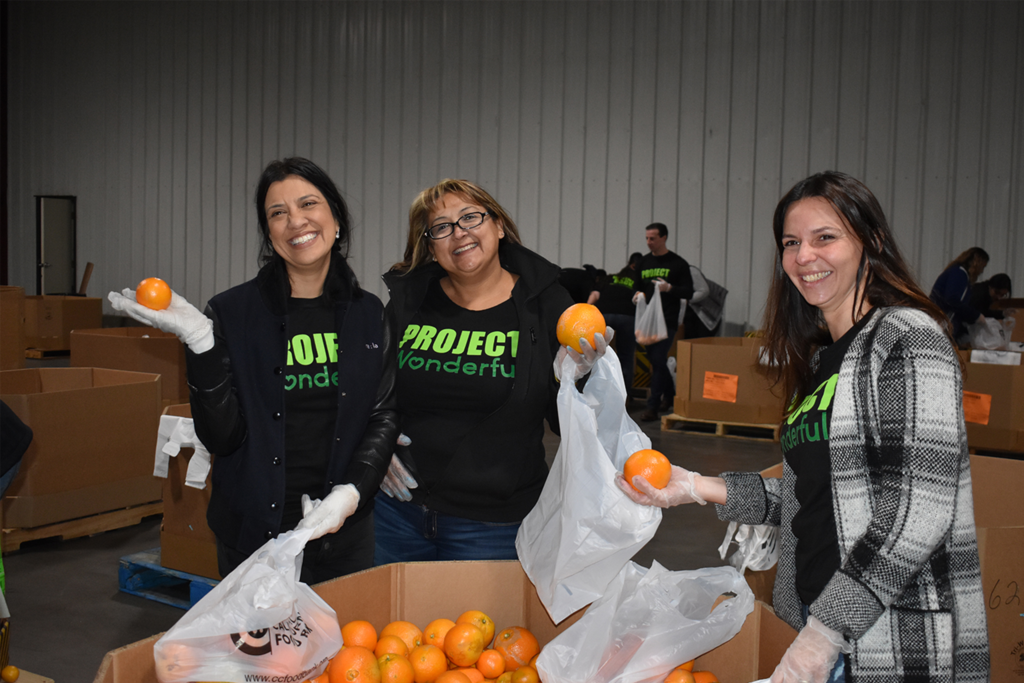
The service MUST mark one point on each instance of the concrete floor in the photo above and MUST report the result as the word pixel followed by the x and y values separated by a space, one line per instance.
pixel 67 611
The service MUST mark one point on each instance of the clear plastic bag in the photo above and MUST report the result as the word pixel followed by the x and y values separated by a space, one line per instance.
pixel 259 623
pixel 650 320
pixel 583 529
pixel 647 623
pixel 758 546
pixel 988 334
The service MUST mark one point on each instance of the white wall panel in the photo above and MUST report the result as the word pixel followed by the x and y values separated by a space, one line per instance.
pixel 587 120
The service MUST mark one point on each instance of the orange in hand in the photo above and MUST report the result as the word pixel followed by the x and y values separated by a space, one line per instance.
pixel 649 464
pixel 354 665
pixel 517 645
pixel 463 644
pixel 153 293
pixel 579 320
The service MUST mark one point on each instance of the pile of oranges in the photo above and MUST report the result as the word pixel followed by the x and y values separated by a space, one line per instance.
pixel 466 650
pixel 684 673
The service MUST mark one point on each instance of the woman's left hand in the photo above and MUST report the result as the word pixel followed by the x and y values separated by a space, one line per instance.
pixel 811 657
pixel 328 515
pixel 584 361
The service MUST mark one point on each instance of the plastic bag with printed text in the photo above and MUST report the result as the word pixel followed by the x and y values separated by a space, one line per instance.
pixel 259 621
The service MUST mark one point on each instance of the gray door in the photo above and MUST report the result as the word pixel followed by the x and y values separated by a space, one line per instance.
pixel 55 245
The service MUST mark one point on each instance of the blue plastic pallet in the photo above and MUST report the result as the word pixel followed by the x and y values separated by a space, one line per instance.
pixel 141 574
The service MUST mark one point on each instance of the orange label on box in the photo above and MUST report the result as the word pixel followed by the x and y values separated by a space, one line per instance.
pixel 719 386
pixel 977 407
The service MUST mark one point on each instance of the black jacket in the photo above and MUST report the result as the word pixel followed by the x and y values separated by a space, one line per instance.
pixel 496 473
pixel 238 400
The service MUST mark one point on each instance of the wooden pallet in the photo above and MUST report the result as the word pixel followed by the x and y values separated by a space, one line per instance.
pixel 740 430
pixel 83 526
pixel 40 354
pixel 142 574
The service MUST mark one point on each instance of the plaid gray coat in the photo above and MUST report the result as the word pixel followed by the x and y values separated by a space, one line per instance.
pixel 908 594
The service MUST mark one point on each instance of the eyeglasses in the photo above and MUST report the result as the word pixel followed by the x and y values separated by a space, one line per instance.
pixel 467 221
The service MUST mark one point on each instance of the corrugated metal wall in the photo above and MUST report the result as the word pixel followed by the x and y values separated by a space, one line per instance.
pixel 587 120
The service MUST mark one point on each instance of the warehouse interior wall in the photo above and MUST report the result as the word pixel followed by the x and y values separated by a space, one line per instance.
pixel 586 120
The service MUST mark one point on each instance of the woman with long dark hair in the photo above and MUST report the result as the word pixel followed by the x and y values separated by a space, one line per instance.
pixel 292 383
pixel 878 566
pixel 952 290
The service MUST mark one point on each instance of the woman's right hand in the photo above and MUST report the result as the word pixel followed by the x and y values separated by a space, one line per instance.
pixel 181 319
pixel 398 481
pixel 681 489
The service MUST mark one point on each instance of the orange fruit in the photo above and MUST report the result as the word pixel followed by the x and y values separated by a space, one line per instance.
pixel 686 666
pixel 533 662
pixel 395 669
pixel 408 632
pixel 679 676
pixel 153 293
pixel 505 677
pixel 517 645
pixel 491 663
pixel 649 464
pixel 704 677
pixel 428 662
pixel 472 673
pixel 463 644
pixel 10 673
pixel 361 633
pixel 354 665
pixel 525 674
pixel 436 630
pixel 390 645
pixel 579 320
pixel 481 621
pixel 453 676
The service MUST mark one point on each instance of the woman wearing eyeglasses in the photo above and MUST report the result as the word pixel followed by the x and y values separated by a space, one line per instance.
pixel 476 315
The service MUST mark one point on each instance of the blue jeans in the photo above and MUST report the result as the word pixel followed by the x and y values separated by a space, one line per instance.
pixel 406 532
pixel 625 344
pixel 838 674
pixel 661 378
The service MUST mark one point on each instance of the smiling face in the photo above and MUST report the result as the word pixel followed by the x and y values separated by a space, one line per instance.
pixel 471 252
pixel 301 225
pixel 820 255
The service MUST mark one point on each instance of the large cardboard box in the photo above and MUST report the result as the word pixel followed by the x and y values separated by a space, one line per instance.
pixel 92 446
pixel 1001 389
pixel 999 515
pixel 186 541
pixel 50 319
pixel 423 591
pixel 711 371
pixel 12 328
pixel 138 349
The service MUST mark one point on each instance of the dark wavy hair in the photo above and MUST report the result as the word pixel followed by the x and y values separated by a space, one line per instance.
pixel 310 172
pixel 794 329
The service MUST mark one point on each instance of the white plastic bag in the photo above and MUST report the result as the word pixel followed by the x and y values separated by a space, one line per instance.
pixel 583 529
pixel 758 546
pixel 647 623
pixel 987 334
pixel 650 321
pixel 259 623
pixel 174 434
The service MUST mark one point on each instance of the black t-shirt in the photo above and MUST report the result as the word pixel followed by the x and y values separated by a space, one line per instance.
pixel 310 403
pixel 455 367
pixel 673 269
pixel 804 440
pixel 617 293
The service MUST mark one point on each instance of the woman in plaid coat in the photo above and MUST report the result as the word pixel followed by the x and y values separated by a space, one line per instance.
pixel 878 560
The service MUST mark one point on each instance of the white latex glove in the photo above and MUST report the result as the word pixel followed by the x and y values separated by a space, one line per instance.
pixel 398 481
pixel 811 656
pixel 637 296
pixel 326 516
pixel 584 361
pixel 681 489
pixel 180 318
pixel 663 286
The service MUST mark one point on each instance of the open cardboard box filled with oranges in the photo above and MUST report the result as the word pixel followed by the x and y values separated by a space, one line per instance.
pixel 422 592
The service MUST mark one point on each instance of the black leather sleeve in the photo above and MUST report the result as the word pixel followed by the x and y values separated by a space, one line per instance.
pixel 372 456
pixel 218 418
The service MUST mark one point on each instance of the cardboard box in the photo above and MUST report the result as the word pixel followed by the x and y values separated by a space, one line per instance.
pixel 186 541
pixel 49 319
pixel 137 349
pixel 92 447
pixel 735 360
pixel 1004 384
pixel 12 328
pixel 999 516
pixel 422 591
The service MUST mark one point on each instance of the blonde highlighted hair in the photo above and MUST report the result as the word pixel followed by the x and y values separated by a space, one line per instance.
pixel 417 252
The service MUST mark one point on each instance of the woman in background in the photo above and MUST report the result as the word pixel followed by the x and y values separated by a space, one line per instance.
pixel 878 559
pixel 952 290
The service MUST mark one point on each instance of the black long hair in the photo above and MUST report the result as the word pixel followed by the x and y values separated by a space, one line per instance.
pixel 310 172
pixel 794 328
